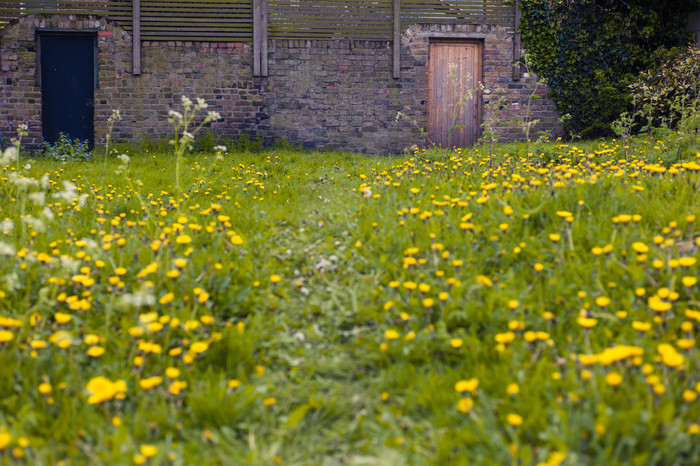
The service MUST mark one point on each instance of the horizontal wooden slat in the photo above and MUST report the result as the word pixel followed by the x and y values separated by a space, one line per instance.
pixel 331 19
pixel 296 19
pixel 498 12
pixel 200 20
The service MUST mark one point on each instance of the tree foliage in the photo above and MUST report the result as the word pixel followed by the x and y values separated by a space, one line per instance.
pixel 590 51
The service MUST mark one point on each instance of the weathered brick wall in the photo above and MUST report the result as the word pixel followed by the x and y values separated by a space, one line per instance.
pixel 20 96
pixel 219 73
pixel 336 94
pixel 323 94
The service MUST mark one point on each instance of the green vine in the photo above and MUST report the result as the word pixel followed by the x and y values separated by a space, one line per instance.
pixel 590 51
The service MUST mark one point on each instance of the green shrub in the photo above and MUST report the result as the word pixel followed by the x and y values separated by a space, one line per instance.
pixel 244 143
pixel 663 97
pixel 148 145
pixel 590 51
pixel 206 142
pixel 65 149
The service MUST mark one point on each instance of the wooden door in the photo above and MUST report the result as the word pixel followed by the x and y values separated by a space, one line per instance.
pixel 67 85
pixel 444 91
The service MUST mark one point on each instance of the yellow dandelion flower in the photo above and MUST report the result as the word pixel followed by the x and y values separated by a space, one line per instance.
pixel 689 396
pixel 62 318
pixel 514 420
pixel 613 379
pixel 199 347
pixel 602 301
pixel 656 304
pixel 150 382
pixel 689 281
pixel 45 388
pixel 587 322
pixel 640 247
pixel 410 285
pixel 5 439
pixel 391 334
pixel 148 451
pixel 267 402
pixel 183 239
pixel 687 261
pixel 6 335
pixel 504 338
pixel 95 351
pixel 464 405
pixel 484 280
pixel 467 385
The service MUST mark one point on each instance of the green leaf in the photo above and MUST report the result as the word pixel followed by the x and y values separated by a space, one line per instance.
pixel 297 415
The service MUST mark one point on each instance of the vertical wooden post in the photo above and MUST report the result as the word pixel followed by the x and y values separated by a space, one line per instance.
pixel 257 35
pixel 136 37
pixel 397 39
pixel 263 48
pixel 517 43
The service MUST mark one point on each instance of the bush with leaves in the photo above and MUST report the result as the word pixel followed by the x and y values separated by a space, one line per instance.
pixel 590 51
pixel 664 96
pixel 65 149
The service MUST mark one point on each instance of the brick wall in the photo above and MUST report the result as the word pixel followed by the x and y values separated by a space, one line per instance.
pixel 322 94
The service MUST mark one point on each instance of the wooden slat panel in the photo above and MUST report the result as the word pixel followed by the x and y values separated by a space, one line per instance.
pixel 294 19
pixel 498 12
pixel 331 19
pixel 202 20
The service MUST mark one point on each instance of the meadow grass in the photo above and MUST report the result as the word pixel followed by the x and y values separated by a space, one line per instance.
pixel 331 308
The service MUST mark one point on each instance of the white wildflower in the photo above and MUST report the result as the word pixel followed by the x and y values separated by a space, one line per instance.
pixel 175 115
pixel 38 198
pixel 69 192
pixel 36 223
pixel 7 249
pixel 7 225
pixel 48 213
pixel 9 156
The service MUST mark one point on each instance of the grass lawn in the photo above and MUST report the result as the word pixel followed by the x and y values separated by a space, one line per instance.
pixel 307 308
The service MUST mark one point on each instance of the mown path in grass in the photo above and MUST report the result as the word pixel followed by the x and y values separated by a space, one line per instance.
pixel 330 308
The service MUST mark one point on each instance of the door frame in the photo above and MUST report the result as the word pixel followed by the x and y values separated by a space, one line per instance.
pixel 93 33
pixel 478 104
